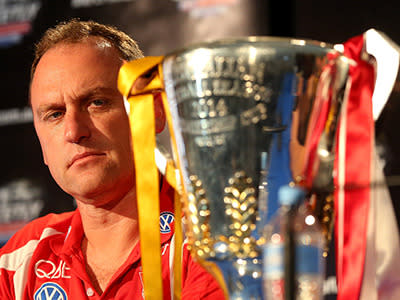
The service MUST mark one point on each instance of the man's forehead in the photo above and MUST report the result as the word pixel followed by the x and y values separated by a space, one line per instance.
pixel 98 52
pixel 78 68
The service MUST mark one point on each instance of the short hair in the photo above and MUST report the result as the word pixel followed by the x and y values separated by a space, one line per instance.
pixel 75 31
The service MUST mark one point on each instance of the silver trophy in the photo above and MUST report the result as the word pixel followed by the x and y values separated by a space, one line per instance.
pixel 248 116
pixel 241 112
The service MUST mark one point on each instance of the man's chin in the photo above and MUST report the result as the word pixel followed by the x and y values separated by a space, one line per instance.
pixel 86 189
pixel 99 193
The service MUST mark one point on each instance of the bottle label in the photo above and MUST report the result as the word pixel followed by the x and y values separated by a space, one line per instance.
pixel 308 260
pixel 273 260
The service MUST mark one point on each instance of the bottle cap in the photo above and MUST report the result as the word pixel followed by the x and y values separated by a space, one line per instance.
pixel 290 195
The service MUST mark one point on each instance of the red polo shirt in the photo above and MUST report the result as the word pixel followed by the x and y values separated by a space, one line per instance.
pixel 44 261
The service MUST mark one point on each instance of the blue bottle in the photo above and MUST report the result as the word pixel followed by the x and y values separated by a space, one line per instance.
pixel 293 262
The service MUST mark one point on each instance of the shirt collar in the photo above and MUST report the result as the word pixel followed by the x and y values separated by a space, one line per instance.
pixel 70 243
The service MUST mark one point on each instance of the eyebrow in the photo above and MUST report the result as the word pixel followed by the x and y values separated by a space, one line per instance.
pixel 91 93
pixel 97 91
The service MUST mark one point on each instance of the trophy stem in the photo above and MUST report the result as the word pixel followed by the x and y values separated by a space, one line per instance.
pixel 243 277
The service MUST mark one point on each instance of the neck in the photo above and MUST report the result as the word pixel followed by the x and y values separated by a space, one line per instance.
pixel 111 232
pixel 118 216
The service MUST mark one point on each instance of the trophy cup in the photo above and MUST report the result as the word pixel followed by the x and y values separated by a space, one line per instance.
pixel 246 114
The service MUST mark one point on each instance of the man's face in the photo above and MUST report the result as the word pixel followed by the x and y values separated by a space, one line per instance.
pixel 81 121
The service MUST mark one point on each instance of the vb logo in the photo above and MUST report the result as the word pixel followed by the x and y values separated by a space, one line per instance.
pixel 50 291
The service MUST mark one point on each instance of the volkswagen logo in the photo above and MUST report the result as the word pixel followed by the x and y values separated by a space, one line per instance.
pixel 166 218
pixel 50 291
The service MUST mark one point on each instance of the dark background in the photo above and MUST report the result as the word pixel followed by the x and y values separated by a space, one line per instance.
pixel 26 188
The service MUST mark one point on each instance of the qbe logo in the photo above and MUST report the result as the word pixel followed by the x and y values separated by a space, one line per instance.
pixel 50 291
pixel 166 218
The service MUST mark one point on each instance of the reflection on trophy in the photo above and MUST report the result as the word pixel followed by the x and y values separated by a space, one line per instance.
pixel 249 116
pixel 241 112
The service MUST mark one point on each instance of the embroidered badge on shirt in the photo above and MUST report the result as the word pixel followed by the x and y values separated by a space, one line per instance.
pixel 166 218
pixel 50 291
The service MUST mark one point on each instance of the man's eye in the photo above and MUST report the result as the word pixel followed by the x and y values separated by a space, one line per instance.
pixel 98 102
pixel 54 115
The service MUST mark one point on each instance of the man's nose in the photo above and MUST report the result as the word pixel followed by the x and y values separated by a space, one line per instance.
pixel 76 126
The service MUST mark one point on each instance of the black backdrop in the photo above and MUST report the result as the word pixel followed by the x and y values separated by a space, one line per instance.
pixel 26 187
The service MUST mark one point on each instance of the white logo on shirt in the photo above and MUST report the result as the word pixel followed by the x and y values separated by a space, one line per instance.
pixel 48 269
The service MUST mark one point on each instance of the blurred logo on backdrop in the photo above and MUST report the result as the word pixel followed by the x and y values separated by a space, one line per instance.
pixel 202 8
pixel 16 17
pixel 16 115
pixel 15 20
pixel 20 201
pixel 87 3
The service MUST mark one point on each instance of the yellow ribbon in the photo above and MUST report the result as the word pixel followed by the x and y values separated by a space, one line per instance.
pixel 171 177
pixel 142 121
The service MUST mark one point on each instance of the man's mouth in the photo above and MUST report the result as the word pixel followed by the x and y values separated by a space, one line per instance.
pixel 83 156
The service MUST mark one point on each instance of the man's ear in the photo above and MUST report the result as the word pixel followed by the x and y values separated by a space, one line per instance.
pixel 44 157
pixel 41 145
pixel 159 113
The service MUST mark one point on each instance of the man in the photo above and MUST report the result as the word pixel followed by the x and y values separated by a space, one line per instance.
pixel 83 128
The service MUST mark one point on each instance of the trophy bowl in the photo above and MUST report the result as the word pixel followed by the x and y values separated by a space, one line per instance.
pixel 247 115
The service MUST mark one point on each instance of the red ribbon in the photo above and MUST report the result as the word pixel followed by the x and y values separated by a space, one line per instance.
pixel 353 173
